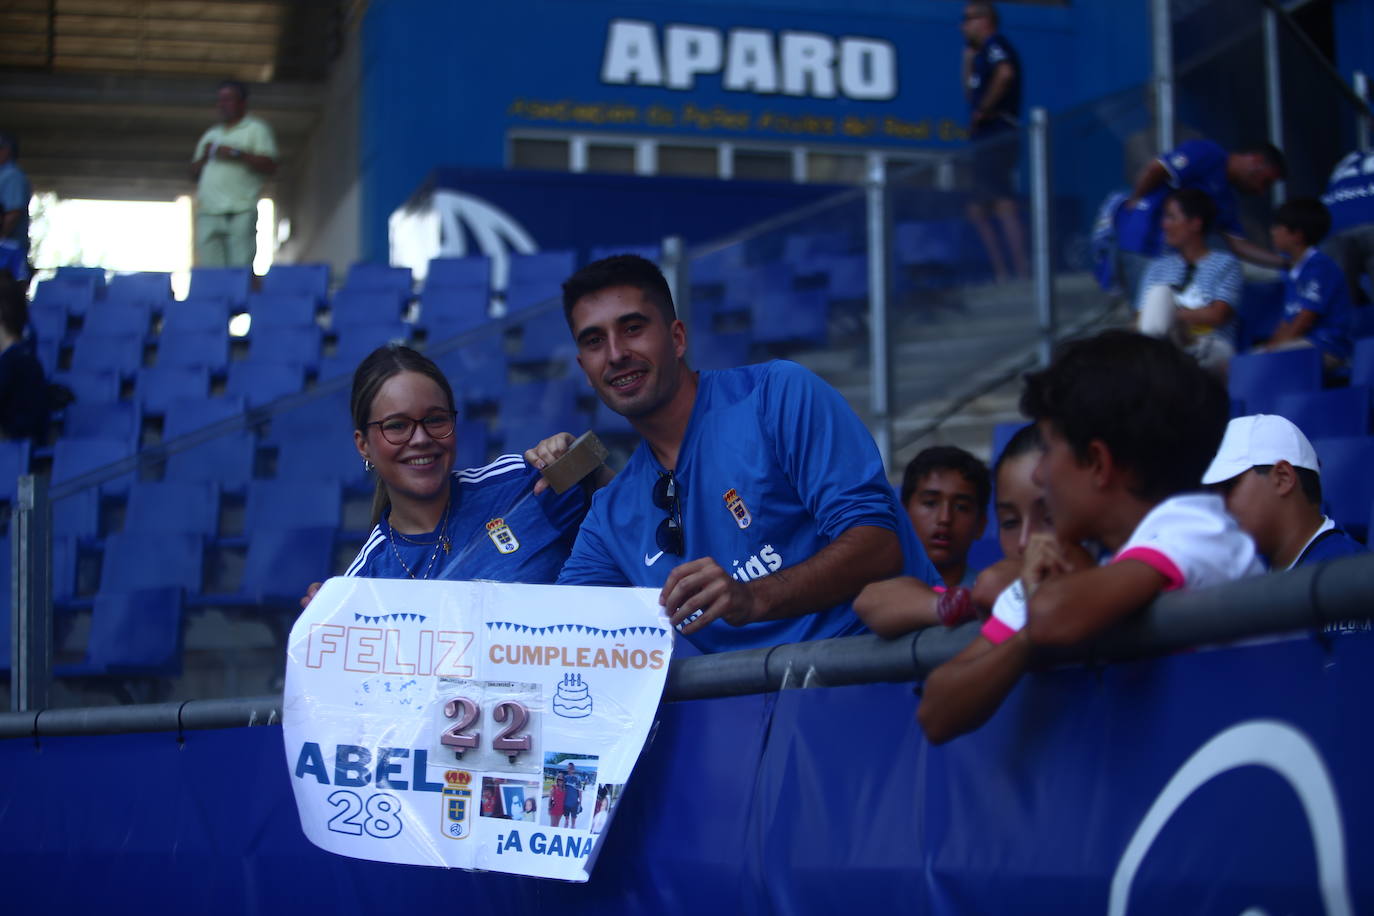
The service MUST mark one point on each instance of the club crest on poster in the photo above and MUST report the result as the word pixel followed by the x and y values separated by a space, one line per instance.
pixel 470 724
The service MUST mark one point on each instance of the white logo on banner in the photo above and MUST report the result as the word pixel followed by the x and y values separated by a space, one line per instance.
pixel 1266 743
pixel 440 229
pixel 507 717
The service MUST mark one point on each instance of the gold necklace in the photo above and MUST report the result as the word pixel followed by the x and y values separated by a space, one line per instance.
pixel 441 541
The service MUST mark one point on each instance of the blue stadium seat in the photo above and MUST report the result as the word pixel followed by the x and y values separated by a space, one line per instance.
pixel 530 296
pixel 1257 379
pixel 293 503
pixel 846 275
pixel 1333 412
pixel 1362 365
pixel 93 276
pixel 477 371
pixel 197 315
pixel 1259 313
pixel 139 560
pixel 262 383
pixel 791 316
pixel 270 311
pixel 323 417
pixel 312 459
pixel 47 355
pixel 78 515
pixel 803 249
pixel 925 242
pixel 137 632
pixel 471 443
pixel 157 386
pixel 607 422
pixel 355 341
pixel 226 459
pixel 119 420
pixel 451 311
pixel 286 346
pixel 353 307
pixel 194 349
pixel 1362 322
pixel 379 278
pixel 543 269
pixel 772 278
pixel 74 457
pixel 282 561
pixel 91 387
pixel 984 552
pixel 719 351
pixel 1347 484
pixel 544 338
pixel 95 353
pixel 64 560
pixel 152 288
pixel 298 280
pixel 118 318
pixel 469 273
pixel 166 506
pixel 49 322
pixel 231 284
pixel 74 298
pixel 14 462
pixel 537 399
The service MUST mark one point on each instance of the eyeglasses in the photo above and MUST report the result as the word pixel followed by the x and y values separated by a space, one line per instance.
pixel 398 429
pixel 669 533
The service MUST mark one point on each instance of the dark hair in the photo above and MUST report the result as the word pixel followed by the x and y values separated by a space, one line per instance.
pixel 1308 479
pixel 235 85
pixel 947 458
pixel 1022 442
pixel 620 270
pixel 1196 204
pixel 986 9
pixel 8 139
pixel 14 308
pixel 372 373
pixel 1272 155
pixel 1306 216
pixel 1158 412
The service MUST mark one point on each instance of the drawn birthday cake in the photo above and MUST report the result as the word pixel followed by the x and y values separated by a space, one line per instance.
pixel 572 700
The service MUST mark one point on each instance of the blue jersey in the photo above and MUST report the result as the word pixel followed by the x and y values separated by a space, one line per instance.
pixel 1327 545
pixel 1317 284
pixel 1007 112
pixel 773 467
pixel 1202 164
pixel 496 527
pixel 1350 192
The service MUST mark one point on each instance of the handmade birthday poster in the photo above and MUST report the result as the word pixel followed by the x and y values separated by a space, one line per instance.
pixel 470 724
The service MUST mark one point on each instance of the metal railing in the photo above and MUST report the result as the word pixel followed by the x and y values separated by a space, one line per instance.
pixel 1304 599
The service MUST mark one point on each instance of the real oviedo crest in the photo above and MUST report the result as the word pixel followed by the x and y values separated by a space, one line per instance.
pixel 735 503
pixel 502 536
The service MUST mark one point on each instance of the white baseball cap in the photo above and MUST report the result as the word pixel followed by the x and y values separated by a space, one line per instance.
pixel 1262 439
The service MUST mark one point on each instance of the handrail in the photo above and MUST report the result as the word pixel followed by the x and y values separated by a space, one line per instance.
pixel 1285 602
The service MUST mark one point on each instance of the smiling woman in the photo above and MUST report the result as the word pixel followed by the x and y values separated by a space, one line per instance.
pixel 437 522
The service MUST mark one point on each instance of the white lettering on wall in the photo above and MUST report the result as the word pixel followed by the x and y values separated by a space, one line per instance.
pixel 750 60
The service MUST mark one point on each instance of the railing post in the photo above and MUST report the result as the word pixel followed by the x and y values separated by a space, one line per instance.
pixel 673 262
pixel 879 274
pixel 1362 125
pixel 30 595
pixel 1273 91
pixel 1041 229
pixel 1162 48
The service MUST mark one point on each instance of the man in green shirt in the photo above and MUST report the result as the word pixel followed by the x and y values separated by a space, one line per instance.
pixel 231 161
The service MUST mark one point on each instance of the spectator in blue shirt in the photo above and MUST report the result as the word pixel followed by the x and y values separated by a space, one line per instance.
pixel 14 211
pixel 1207 166
pixel 1271 479
pixel 1349 198
pixel 1316 300
pixel 756 503
pixel 992 87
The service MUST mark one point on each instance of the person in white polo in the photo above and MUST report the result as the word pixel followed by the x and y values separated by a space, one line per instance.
pixel 231 162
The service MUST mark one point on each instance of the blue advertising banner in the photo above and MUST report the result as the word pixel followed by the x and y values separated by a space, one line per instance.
pixel 1223 781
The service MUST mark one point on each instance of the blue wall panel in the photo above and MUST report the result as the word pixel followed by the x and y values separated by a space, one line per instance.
pixel 808 801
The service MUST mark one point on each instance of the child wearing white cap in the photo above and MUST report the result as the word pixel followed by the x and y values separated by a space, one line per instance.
pixel 1270 477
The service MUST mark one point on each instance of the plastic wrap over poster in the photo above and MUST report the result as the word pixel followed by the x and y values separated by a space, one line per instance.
pixel 470 724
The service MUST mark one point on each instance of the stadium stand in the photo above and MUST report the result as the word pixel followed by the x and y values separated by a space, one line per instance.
pixel 379 278
pixel 1347 485
pixel 298 280
pixel 270 311
pixel 153 288
pixel 1258 379
pixel 155 387
pixel 1328 413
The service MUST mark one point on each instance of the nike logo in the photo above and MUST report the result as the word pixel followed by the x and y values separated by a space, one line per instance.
pixel 651 560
